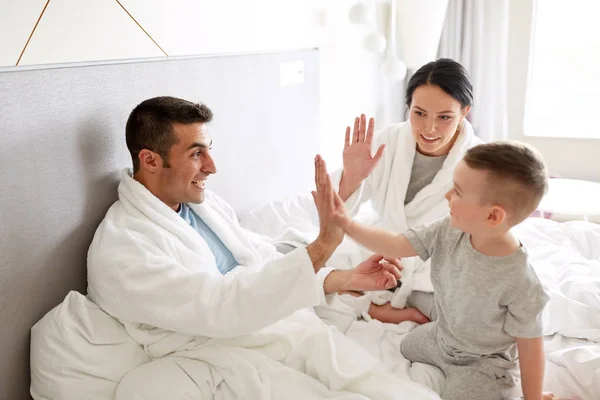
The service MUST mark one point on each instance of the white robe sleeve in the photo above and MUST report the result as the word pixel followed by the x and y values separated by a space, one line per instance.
pixel 141 284
pixel 267 250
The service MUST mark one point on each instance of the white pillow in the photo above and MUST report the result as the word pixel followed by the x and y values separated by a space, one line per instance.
pixel 80 352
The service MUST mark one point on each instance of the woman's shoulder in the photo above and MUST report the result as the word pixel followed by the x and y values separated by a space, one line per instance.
pixel 392 131
pixel 399 126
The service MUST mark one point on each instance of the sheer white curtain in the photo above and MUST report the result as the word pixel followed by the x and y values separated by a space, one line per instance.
pixel 476 35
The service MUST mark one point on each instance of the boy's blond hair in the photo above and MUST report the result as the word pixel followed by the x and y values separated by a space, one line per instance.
pixel 517 176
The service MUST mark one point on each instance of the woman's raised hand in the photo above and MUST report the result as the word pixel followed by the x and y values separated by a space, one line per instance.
pixel 358 162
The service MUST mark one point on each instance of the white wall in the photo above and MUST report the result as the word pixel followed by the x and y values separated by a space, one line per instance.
pixel 350 79
pixel 96 30
pixel 101 30
pixel 569 158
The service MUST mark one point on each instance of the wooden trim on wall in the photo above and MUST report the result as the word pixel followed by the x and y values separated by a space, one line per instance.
pixel 32 32
pixel 142 28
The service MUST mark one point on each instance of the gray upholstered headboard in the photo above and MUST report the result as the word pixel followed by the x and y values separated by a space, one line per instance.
pixel 63 147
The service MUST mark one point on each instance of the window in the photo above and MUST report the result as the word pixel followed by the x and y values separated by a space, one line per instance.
pixel 563 92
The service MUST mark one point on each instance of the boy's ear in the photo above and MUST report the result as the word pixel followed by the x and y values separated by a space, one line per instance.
pixel 496 216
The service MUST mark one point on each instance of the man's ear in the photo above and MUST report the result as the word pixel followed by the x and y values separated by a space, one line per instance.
pixel 149 160
pixel 496 216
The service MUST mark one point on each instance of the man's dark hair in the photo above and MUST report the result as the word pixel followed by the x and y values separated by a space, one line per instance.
pixel 150 125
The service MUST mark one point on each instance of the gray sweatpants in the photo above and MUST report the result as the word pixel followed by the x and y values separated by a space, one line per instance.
pixel 466 378
pixel 424 302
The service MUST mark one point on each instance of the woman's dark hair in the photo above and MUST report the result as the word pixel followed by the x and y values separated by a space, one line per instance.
pixel 446 73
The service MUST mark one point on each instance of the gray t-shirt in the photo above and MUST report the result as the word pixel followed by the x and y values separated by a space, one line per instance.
pixel 423 171
pixel 483 302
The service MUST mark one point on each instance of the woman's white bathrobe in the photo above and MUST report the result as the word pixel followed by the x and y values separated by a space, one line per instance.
pixel 148 268
pixel 386 188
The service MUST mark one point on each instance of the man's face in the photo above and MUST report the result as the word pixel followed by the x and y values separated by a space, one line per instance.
pixel 190 166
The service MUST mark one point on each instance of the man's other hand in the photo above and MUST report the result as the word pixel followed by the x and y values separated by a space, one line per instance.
pixel 373 274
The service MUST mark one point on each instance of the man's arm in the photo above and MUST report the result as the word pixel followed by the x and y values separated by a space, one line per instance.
pixel 337 281
pixel 330 234
pixel 320 251
pixel 532 362
pixel 389 244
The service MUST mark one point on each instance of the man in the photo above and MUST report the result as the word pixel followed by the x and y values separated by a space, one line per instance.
pixel 171 262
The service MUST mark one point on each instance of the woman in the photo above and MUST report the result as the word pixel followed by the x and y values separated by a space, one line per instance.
pixel 410 173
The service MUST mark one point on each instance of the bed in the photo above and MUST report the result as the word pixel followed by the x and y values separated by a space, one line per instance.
pixel 63 148
pixel 565 255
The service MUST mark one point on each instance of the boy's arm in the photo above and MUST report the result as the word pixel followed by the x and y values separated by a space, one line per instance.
pixel 331 209
pixel 532 362
pixel 380 241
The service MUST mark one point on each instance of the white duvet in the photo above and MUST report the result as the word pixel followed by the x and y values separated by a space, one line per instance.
pixel 566 257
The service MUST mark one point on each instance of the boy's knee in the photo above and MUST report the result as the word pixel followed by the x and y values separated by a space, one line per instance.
pixel 407 346
pixel 470 393
pixel 417 346
pixel 470 384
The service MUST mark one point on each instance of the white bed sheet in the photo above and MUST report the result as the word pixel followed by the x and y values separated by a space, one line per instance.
pixel 572 365
pixel 566 257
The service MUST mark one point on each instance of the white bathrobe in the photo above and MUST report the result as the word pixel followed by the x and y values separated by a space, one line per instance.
pixel 295 220
pixel 148 268
pixel 386 188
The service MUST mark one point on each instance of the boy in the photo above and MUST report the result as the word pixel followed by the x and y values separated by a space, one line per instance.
pixel 487 296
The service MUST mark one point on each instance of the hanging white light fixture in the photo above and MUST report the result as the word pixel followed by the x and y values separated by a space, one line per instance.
pixel 420 24
pixel 359 13
pixel 392 68
pixel 362 13
pixel 415 31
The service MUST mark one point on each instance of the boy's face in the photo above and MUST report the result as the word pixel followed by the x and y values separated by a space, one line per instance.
pixel 467 210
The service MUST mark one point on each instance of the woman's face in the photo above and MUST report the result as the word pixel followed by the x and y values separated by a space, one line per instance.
pixel 435 117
